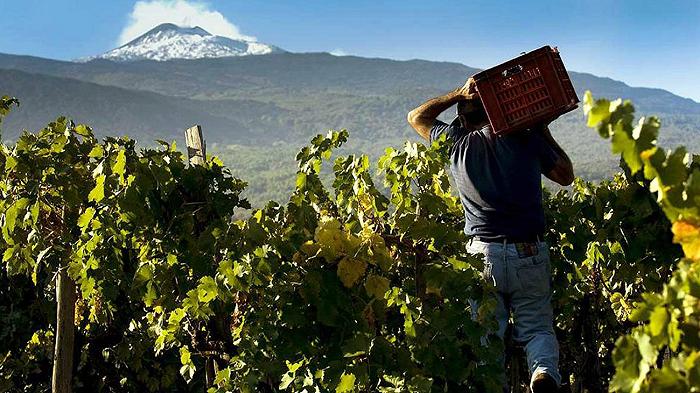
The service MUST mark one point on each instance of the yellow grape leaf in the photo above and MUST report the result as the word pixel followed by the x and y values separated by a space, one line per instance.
pixel 687 234
pixel 350 270
pixel 347 383
pixel 330 237
pixel 376 286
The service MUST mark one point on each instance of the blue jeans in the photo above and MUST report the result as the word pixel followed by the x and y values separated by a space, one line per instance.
pixel 521 274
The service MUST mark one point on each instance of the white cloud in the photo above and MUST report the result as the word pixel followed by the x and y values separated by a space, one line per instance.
pixel 339 52
pixel 148 14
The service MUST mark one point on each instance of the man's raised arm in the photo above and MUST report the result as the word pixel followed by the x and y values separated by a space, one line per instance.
pixel 423 117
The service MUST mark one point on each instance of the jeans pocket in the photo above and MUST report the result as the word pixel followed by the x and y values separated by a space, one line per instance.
pixel 534 278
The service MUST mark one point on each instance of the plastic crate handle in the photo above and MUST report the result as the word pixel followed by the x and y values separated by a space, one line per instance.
pixel 512 71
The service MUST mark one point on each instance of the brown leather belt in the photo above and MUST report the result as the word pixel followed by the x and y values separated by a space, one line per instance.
pixel 510 239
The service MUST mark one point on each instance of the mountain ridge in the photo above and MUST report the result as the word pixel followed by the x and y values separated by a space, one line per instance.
pixel 83 71
pixel 6 62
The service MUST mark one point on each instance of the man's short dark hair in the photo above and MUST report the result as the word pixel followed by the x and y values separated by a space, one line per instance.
pixel 473 110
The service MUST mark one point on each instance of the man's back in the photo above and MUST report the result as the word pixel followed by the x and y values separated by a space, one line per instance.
pixel 499 179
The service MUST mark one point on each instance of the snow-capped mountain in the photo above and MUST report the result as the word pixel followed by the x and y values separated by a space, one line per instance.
pixel 168 41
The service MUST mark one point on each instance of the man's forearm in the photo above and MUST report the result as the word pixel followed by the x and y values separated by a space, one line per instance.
pixel 552 142
pixel 432 108
pixel 423 117
pixel 563 171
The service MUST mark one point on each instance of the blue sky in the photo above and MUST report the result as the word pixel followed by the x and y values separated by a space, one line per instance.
pixel 643 43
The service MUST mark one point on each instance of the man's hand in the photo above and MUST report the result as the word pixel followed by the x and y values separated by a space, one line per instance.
pixel 468 91
pixel 423 117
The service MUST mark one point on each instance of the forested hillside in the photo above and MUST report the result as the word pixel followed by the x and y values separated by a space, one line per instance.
pixel 257 109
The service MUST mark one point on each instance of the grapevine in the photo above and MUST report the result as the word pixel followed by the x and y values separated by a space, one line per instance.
pixel 355 286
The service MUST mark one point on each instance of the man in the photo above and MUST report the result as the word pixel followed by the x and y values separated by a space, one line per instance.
pixel 499 184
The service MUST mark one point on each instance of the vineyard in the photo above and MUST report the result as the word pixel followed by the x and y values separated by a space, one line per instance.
pixel 352 286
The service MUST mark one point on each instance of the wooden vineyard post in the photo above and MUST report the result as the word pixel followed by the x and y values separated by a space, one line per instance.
pixel 65 334
pixel 197 153
pixel 196 146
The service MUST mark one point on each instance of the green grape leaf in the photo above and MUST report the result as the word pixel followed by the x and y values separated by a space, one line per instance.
pixel 350 270
pixel 347 383
pixel 86 217
pixel 98 192
pixel 286 380
pixel 207 289
pixel 96 152
pixel 376 286
pixel 13 212
pixel 622 143
pixel 184 355
pixel 667 380
pixel 59 144
pixel 658 320
pixel 120 163
pixel 83 130
pixel 596 110
pixel 9 253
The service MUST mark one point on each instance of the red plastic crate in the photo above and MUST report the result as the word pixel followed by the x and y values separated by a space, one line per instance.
pixel 530 89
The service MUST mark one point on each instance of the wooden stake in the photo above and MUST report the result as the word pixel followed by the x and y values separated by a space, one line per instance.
pixel 65 334
pixel 197 153
pixel 196 145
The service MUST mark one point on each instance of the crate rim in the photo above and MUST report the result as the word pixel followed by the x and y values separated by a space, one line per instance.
pixel 491 70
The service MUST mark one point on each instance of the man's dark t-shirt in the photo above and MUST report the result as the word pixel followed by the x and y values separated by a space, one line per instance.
pixel 499 179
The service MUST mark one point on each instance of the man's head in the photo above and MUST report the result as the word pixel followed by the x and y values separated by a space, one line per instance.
pixel 471 113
